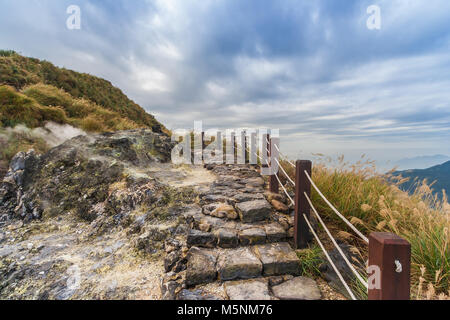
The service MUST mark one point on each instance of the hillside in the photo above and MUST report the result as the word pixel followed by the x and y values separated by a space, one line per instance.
pixel 438 176
pixel 34 93
pixel 20 72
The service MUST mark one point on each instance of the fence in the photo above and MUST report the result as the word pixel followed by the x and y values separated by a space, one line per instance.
pixel 389 255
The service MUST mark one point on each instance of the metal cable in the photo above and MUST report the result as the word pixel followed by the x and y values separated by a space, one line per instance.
pixel 336 245
pixel 329 259
pixel 336 211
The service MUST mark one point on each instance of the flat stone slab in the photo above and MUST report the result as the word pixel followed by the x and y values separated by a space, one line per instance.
pixel 254 182
pixel 201 266
pixel 247 290
pixel 215 198
pixel 196 294
pixel 201 239
pixel 299 288
pixel 252 211
pixel 278 259
pixel 275 232
pixel 227 238
pixel 238 263
pixel 252 236
pixel 244 197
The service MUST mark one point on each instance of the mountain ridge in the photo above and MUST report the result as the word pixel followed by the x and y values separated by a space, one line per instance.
pixel 438 176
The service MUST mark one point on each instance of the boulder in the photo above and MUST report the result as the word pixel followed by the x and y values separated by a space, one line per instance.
pixel 224 210
pixel 253 211
pixel 201 266
pixel 279 206
pixel 171 259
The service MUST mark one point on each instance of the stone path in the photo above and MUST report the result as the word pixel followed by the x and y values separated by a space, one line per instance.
pixel 237 240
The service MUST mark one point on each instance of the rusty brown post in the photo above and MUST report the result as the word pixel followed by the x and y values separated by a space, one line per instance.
pixel 302 207
pixel 390 261
pixel 273 182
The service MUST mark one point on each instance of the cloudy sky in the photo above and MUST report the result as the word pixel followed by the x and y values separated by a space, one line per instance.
pixel 310 68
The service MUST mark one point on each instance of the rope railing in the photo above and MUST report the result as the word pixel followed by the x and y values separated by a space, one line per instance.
pixel 363 237
pixel 285 158
pixel 386 250
pixel 329 259
pixel 352 268
pixel 285 191
pixel 286 175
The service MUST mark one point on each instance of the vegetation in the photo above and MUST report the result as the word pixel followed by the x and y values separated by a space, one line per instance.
pixel 14 141
pixel 438 177
pixel 310 260
pixel 374 204
pixel 18 72
pixel 33 92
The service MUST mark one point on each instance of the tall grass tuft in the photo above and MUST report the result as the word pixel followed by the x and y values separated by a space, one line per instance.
pixel 373 202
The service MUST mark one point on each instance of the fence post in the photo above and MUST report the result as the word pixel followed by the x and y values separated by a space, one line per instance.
pixel 264 154
pixel 203 143
pixel 391 255
pixel 302 186
pixel 273 182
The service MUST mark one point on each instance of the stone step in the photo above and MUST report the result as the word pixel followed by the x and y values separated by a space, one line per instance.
pixel 207 265
pixel 267 288
pixel 233 236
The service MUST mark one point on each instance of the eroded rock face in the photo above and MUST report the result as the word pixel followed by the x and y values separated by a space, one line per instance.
pixel 81 173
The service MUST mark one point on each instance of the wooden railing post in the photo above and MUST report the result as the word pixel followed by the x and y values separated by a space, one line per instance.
pixel 265 153
pixel 302 207
pixel 389 267
pixel 203 143
pixel 273 181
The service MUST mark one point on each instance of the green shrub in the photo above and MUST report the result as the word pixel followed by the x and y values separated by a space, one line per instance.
pixel 310 260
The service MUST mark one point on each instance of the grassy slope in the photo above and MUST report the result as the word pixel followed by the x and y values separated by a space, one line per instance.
pixel 18 72
pixel 33 92
pixel 374 205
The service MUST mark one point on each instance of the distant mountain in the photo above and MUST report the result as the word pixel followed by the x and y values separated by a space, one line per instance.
pixel 439 173
pixel 421 162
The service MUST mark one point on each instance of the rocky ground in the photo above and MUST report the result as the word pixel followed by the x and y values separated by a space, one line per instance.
pixel 109 217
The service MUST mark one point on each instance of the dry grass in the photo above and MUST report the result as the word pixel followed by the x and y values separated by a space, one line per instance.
pixel 373 204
